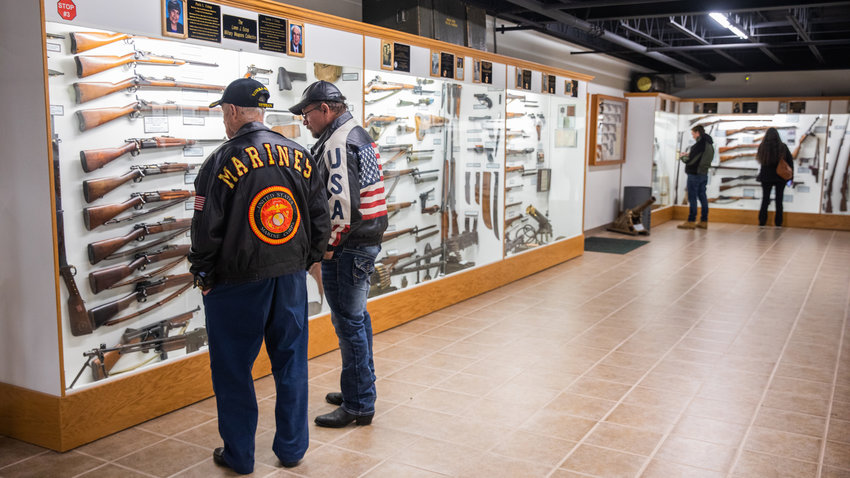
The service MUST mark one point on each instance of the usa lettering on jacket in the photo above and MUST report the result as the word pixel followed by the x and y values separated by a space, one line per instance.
pixel 286 157
pixel 338 178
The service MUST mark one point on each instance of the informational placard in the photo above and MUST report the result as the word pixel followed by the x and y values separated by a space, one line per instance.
pixel 204 20
pixel 240 28
pixel 401 57
pixel 447 65
pixel 271 34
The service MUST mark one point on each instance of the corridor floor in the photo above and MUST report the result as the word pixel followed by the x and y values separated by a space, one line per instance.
pixel 701 354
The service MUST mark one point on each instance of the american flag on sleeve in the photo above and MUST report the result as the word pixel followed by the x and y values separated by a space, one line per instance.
pixel 372 197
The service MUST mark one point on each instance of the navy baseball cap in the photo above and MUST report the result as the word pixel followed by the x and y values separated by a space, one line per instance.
pixel 246 92
pixel 319 91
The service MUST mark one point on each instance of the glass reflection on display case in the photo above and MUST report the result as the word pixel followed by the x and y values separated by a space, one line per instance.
pixel 543 169
pixel 666 143
pixel 442 160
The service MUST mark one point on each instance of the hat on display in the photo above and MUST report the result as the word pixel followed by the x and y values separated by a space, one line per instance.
pixel 246 92
pixel 320 91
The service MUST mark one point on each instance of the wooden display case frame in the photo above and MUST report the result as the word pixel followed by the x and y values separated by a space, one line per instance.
pixel 596 123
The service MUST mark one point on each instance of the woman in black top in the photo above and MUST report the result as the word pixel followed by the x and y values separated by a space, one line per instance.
pixel 770 152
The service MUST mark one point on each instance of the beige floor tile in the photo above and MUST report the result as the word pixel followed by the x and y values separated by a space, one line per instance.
pixel 793 422
pixel 495 466
pixel 603 462
pixel 840 410
pixel 120 444
pixel 336 462
pixel 626 376
pixel 111 470
pixel 207 406
pixel 839 431
pixel 796 402
pixel 176 422
pixel 837 455
pixel 650 397
pixel 558 424
pixel 496 412
pixel 532 447
pixel 419 375
pixel 581 406
pixel 469 384
pixel 391 469
pixel 443 401
pixel 831 472
pixel 397 392
pixel 208 469
pixel 652 419
pixel 673 383
pixel 12 451
pixel 731 412
pixel 52 464
pixel 687 451
pixel 622 438
pixel 379 442
pixel 784 444
pixel 438 456
pixel 665 469
pixel 708 430
pixel 166 458
pixel 517 394
pixel 752 464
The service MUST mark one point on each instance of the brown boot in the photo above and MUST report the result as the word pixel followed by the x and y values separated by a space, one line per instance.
pixel 687 225
pixel 702 225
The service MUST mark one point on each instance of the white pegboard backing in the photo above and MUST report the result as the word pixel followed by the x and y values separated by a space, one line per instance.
pixel 336 47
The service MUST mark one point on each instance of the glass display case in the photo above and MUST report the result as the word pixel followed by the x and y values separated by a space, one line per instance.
pixel 132 124
pixel 666 143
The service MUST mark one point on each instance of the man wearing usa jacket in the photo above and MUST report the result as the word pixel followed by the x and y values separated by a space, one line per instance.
pixel 260 221
pixel 355 189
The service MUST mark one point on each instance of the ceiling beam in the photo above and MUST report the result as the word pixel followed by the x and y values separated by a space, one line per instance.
pixel 687 7
pixel 572 21
pixel 744 46
pixel 805 36
pixel 702 40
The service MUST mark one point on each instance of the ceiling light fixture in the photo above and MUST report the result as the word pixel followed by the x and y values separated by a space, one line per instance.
pixel 722 20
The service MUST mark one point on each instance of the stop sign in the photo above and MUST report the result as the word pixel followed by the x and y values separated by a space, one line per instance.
pixel 67 10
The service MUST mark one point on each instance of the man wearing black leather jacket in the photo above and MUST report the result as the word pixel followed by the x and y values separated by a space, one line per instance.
pixel 355 192
pixel 261 220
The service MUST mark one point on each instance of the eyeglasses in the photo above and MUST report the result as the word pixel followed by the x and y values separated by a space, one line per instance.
pixel 304 113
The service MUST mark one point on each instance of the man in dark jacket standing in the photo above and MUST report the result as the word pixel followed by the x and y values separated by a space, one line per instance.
pixel 697 163
pixel 355 192
pixel 261 220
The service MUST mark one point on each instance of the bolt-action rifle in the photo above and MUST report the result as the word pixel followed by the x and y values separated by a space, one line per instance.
pixel 89 90
pixel 410 230
pixel 95 117
pixel 102 249
pixel 414 172
pixel 804 137
pixel 104 313
pixel 85 41
pixel 95 216
pixel 399 206
pixel 373 120
pixel 730 157
pixel 89 65
pixel 106 278
pixel 727 199
pixel 92 159
pixel 724 149
pixel 94 189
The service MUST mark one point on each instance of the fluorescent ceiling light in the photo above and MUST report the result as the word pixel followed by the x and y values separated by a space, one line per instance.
pixel 723 21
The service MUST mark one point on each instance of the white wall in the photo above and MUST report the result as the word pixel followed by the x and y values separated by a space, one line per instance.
pixel 604 183
pixel 767 84
pixel 29 347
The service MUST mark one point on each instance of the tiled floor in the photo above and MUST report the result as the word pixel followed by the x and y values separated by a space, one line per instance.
pixel 702 354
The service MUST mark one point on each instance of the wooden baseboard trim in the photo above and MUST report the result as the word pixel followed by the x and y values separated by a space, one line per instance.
pixel 63 423
pixel 790 219
pixel 661 215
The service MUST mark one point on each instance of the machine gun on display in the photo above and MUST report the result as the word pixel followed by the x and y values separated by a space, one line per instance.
pixel 151 337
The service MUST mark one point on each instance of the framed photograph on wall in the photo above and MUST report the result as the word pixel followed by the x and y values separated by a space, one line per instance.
pixel 476 71
pixel 607 130
pixel 447 65
pixel 296 39
pixel 486 72
pixel 459 64
pixel 174 18
pixel 435 63
pixel 386 55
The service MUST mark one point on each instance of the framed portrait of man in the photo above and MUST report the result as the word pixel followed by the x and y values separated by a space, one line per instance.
pixel 296 39
pixel 386 55
pixel 459 64
pixel 476 71
pixel 435 63
pixel 174 18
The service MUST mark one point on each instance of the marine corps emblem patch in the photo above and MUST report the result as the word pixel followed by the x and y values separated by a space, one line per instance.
pixel 273 215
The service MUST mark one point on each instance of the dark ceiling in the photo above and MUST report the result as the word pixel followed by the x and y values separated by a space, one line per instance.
pixel 674 36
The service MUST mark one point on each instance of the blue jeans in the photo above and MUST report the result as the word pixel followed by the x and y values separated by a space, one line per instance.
pixel 346 280
pixel 238 318
pixel 696 190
